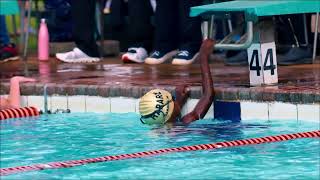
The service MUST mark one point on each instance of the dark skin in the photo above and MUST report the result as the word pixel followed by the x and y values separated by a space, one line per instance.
pixel 206 100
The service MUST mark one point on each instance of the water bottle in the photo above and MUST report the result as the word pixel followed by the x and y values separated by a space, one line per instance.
pixel 43 41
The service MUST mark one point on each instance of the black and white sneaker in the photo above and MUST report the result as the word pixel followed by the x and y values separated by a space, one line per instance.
pixel 184 58
pixel 135 55
pixel 158 57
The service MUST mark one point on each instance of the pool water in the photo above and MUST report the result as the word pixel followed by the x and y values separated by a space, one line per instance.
pixel 64 137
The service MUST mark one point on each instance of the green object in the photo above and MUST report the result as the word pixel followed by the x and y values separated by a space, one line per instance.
pixel 8 7
pixel 260 8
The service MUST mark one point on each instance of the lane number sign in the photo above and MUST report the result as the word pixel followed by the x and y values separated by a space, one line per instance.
pixel 262 64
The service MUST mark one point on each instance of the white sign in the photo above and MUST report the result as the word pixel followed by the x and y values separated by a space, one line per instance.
pixel 254 59
pixel 262 64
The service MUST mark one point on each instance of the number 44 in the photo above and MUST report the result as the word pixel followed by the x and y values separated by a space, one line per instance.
pixel 255 60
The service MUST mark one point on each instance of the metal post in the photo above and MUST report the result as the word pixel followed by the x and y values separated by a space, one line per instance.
pixel 294 33
pixel 211 34
pixel 25 48
pixel 315 39
pixel 45 97
pixel 211 27
pixel 102 28
pixel 306 37
pixel 26 40
pixel 229 23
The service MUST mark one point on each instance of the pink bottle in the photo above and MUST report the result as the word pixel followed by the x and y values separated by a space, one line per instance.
pixel 43 41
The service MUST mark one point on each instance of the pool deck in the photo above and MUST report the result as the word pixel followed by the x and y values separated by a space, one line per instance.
pixel 111 78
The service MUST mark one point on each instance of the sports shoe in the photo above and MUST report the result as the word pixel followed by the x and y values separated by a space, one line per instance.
pixel 296 55
pixel 8 52
pixel 135 55
pixel 76 56
pixel 239 58
pixel 184 58
pixel 158 57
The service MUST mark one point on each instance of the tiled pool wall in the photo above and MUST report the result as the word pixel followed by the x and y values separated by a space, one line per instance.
pixel 248 110
pixel 245 103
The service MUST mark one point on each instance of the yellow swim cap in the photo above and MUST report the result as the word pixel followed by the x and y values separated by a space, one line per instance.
pixel 156 107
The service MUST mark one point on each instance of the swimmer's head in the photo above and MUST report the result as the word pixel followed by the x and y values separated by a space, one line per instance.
pixel 156 107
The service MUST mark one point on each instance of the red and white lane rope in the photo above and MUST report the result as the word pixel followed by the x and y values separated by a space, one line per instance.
pixel 244 142
pixel 18 113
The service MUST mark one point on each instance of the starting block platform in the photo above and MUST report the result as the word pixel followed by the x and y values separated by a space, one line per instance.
pixel 260 8
pixel 259 38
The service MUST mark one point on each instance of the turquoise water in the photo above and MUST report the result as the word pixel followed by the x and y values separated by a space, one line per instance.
pixel 77 136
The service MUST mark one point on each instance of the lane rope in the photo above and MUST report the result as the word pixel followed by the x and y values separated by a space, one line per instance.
pixel 18 113
pixel 244 142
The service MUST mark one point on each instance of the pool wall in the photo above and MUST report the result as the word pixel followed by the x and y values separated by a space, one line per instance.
pixel 248 110
pixel 292 95
pixel 266 103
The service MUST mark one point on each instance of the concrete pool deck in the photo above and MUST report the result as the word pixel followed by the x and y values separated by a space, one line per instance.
pixel 110 78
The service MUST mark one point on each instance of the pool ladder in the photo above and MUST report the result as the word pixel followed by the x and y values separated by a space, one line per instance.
pixel 46 110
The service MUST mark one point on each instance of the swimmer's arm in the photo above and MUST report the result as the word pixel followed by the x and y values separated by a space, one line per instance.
pixel 207 85
pixel 14 95
pixel 181 96
pixel 4 104
pixel 13 100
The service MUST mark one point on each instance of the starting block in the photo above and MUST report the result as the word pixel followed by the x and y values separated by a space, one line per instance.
pixel 262 57
pixel 259 41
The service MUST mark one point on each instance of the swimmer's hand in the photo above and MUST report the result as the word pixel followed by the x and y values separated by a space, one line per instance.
pixel 183 90
pixel 21 79
pixel 190 117
pixel 181 95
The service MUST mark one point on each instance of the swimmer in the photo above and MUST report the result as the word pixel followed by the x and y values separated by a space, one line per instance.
pixel 13 100
pixel 160 107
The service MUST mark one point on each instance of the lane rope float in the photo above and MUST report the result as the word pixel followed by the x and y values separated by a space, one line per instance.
pixel 244 142
pixel 18 113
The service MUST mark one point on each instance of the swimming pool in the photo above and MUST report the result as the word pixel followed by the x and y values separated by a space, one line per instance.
pixel 72 136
